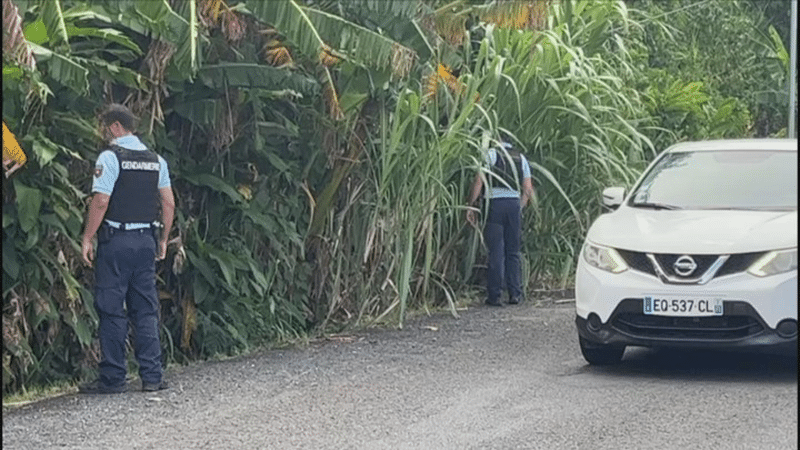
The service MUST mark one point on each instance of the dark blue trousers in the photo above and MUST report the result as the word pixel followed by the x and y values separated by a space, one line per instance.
pixel 125 288
pixel 503 238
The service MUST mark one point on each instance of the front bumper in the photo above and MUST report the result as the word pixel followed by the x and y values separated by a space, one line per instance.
pixel 739 327
pixel 758 312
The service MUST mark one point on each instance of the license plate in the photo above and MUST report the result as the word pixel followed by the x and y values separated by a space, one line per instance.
pixel 682 307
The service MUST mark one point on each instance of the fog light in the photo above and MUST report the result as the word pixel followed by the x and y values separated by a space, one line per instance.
pixel 594 323
pixel 787 328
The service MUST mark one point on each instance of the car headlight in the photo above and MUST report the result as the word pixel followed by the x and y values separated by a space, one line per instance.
pixel 605 258
pixel 773 263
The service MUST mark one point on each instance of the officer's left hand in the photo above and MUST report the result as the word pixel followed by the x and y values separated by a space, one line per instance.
pixel 86 251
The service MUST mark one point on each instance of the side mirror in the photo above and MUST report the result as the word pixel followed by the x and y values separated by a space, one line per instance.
pixel 613 196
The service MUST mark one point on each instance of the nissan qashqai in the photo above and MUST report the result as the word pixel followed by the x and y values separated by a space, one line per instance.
pixel 702 252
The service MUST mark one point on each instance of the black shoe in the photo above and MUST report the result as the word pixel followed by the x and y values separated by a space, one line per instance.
pixel 494 303
pixel 513 301
pixel 96 387
pixel 152 387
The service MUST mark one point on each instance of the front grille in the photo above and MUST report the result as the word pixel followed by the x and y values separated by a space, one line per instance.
pixel 702 328
pixel 740 321
pixel 736 263
pixel 638 261
pixel 666 261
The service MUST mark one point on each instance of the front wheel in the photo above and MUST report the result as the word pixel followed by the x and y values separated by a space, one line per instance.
pixel 600 355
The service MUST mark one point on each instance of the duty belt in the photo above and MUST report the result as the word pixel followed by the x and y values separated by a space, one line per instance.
pixel 133 226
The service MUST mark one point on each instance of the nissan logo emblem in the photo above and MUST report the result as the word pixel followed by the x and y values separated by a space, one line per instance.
pixel 684 266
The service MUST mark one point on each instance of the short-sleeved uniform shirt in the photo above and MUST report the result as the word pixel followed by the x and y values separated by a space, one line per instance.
pixel 502 191
pixel 106 172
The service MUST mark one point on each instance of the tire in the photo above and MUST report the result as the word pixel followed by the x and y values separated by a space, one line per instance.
pixel 600 355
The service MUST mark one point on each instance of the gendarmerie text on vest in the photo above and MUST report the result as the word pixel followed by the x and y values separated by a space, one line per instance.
pixel 140 165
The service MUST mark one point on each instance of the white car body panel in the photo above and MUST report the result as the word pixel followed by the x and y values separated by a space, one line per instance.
pixel 718 232
pixel 695 232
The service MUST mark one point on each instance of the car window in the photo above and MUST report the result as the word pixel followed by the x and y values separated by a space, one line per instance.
pixel 761 180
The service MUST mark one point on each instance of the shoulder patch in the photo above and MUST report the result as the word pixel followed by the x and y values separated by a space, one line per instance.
pixel 98 171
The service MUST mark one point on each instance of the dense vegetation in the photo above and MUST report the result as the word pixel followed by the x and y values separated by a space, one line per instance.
pixel 321 150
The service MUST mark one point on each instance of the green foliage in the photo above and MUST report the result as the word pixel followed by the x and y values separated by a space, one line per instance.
pixel 406 244
pixel 255 76
pixel 744 83
pixel 311 30
pixel 221 289
pixel 48 316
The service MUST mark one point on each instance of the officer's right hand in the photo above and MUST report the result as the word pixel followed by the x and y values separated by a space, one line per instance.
pixel 471 218
pixel 162 250
pixel 86 251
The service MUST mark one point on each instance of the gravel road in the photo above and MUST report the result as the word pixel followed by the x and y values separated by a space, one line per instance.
pixel 494 378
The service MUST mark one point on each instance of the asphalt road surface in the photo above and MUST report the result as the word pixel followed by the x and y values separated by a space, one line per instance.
pixel 494 378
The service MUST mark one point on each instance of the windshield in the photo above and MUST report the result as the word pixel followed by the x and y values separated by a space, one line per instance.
pixel 759 180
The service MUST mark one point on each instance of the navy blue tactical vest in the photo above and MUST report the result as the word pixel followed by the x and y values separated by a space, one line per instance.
pixel 505 171
pixel 135 197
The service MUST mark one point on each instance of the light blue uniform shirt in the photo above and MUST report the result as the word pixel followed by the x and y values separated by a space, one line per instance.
pixel 107 171
pixel 502 191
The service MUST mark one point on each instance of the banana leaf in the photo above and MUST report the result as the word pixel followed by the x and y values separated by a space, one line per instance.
pixel 256 76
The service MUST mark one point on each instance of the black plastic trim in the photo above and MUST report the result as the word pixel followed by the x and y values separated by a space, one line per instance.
pixel 739 326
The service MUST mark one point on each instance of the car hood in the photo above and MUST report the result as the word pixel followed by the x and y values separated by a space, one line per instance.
pixel 695 232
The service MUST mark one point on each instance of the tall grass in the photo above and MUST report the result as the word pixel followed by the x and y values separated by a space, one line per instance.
pixel 402 233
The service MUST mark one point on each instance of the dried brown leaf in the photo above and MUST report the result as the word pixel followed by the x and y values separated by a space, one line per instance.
pixel 189 322
pixel 233 26
pixel 402 60
pixel 14 43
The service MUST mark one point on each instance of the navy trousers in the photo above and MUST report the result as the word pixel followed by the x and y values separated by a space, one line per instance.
pixel 503 238
pixel 125 288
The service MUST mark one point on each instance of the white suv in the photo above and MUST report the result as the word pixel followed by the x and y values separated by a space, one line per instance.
pixel 701 253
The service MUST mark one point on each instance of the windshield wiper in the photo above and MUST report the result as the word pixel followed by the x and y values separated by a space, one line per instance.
pixel 654 205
